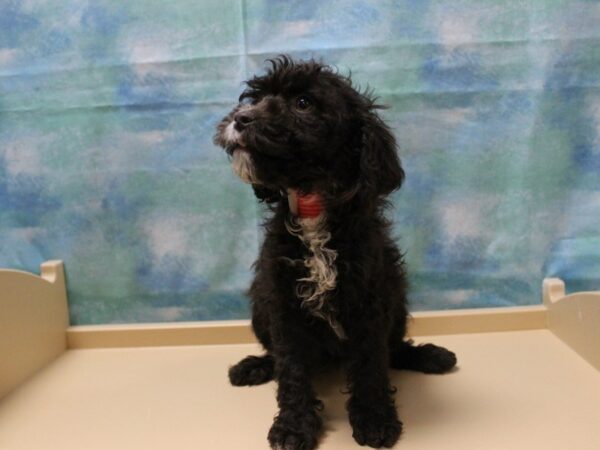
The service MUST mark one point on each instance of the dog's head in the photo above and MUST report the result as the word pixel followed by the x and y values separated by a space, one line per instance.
pixel 303 126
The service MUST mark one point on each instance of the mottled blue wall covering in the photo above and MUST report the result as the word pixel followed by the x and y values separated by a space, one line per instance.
pixel 107 110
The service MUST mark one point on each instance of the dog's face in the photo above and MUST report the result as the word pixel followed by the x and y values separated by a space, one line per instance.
pixel 303 126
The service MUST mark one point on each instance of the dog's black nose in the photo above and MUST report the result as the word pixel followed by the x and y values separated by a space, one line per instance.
pixel 242 119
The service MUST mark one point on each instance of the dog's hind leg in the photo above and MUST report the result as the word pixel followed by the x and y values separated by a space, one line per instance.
pixel 252 370
pixel 426 358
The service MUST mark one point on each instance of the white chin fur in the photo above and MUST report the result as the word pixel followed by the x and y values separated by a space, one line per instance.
pixel 243 167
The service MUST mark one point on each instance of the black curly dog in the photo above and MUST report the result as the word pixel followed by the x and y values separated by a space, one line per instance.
pixel 330 284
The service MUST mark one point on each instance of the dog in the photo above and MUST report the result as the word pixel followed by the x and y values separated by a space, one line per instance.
pixel 330 283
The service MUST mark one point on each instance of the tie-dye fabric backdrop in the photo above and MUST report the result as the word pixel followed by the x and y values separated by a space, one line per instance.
pixel 107 109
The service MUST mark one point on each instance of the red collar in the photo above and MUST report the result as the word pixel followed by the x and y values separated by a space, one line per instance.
pixel 305 206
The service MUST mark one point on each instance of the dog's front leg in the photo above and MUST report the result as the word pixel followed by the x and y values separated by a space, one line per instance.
pixel 371 407
pixel 297 424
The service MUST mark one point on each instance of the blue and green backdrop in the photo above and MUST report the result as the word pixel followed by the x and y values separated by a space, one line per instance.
pixel 107 109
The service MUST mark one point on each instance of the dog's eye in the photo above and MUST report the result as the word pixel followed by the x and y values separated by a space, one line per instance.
pixel 303 102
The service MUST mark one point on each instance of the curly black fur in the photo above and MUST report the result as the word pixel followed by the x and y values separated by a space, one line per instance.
pixel 304 126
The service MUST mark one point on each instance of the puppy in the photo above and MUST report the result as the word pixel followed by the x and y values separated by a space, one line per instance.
pixel 329 283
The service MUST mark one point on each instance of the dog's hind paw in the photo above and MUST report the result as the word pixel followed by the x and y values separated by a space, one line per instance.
pixel 437 359
pixel 427 358
pixel 252 370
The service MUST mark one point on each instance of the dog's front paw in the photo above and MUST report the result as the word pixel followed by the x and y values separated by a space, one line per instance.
pixel 375 427
pixel 298 434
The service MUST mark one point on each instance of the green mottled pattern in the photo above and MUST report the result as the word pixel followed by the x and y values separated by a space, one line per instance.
pixel 107 110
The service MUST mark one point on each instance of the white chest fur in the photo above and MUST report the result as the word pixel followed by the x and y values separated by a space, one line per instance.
pixel 315 289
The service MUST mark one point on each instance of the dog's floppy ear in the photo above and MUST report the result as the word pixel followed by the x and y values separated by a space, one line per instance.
pixel 380 168
pixel 264 194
